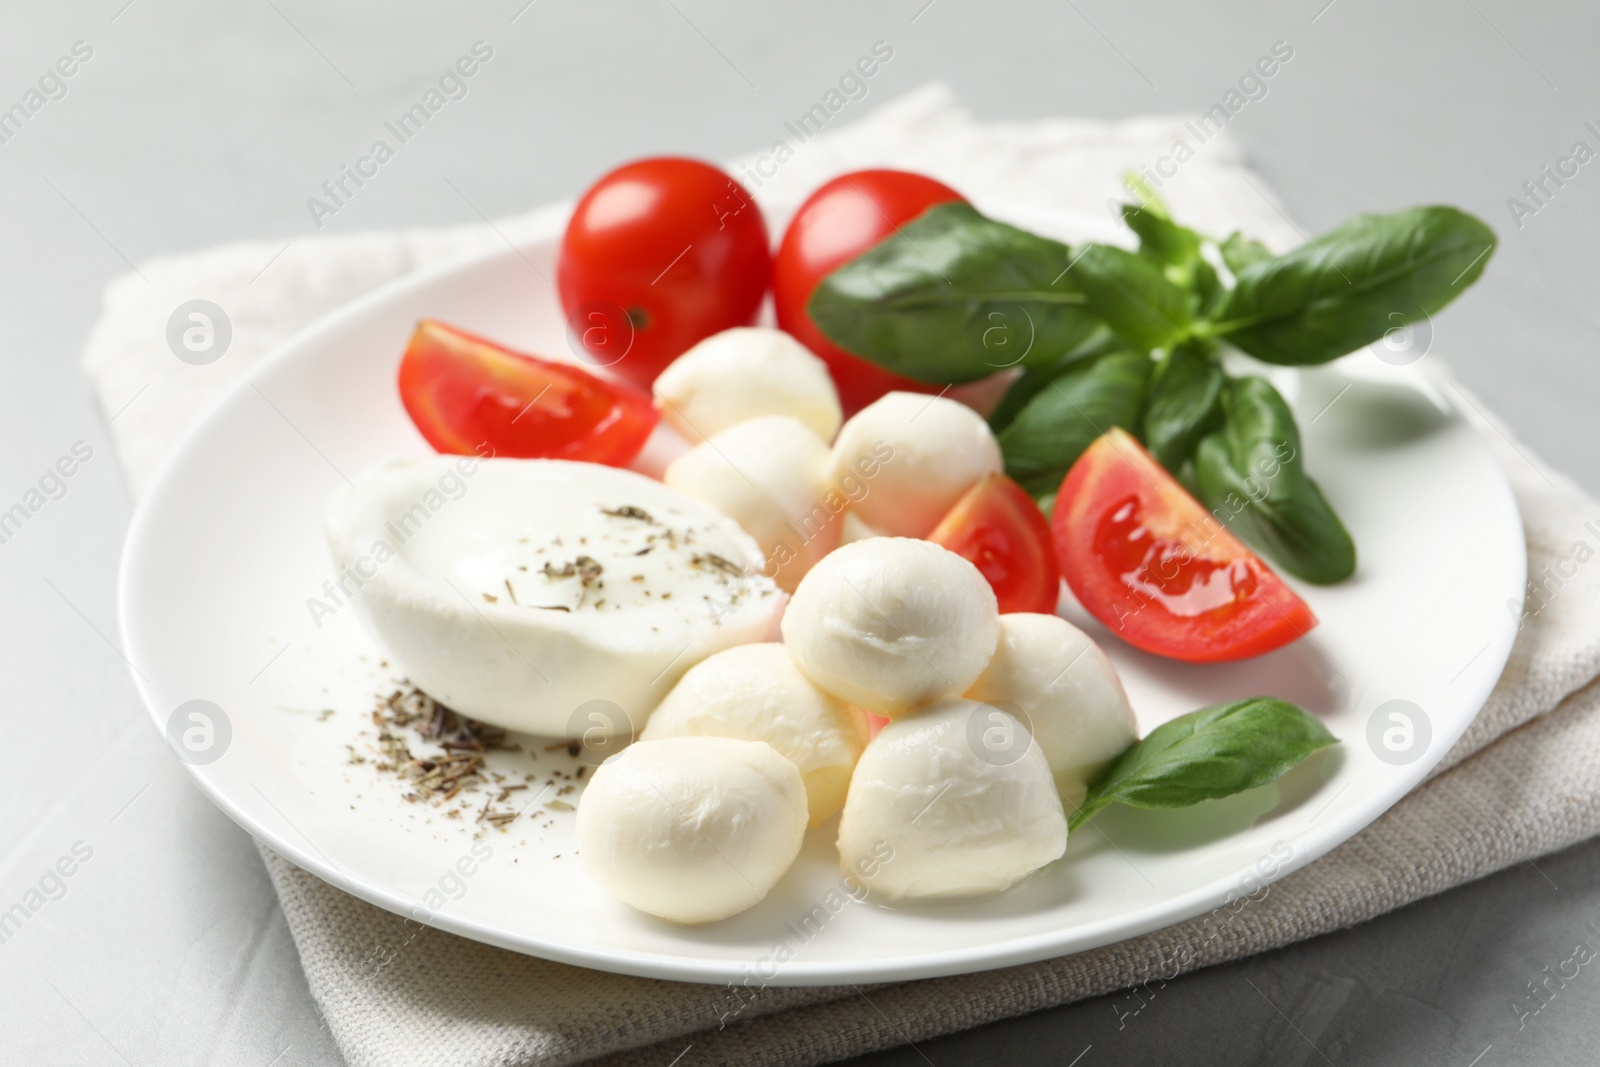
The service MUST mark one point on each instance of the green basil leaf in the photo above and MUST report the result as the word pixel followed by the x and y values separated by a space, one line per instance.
pixel 1348 287
pixel 1176 249
pixel 1161 239
pixel 1184 402
pixel 1036 377
pixel 1207 287
pixel 953 296
pixel 1207 754
pixel 1251 475
pixel 1149 199
pixel 1132 295
pixel 1088 398
pixel 1239 252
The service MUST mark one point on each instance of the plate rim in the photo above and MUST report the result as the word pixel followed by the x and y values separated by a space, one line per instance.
pixel 1309 846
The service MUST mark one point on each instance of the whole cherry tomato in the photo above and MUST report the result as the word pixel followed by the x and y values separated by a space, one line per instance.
pixel 465 393
pixel 838 222
pixel 659 254
pixel 1145 558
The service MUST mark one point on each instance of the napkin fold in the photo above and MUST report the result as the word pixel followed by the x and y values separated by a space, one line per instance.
pixel 1521 783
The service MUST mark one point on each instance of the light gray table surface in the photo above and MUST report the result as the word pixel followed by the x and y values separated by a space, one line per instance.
pixel 199 123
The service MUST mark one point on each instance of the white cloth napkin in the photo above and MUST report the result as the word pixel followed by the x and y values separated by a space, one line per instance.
pixel 1521 783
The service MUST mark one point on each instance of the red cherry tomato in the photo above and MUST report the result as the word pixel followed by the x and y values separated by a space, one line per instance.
pixel 1146 559
pixel 997 526
pixel 468 395
pixel 659 254
pixel 837 223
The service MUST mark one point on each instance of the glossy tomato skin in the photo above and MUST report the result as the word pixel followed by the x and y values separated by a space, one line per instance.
pixel 1001 531
pixel 1145 558
pixel 659 254
pixel 838 222
pixel 468 395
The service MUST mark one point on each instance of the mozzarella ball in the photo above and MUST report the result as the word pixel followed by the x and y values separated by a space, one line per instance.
pixel 769 475
pixel 915 455
pixel 889 623
pixel 742 374
pixel 755 693
pixel 692 829
pixel 937 810
pixel 1067 691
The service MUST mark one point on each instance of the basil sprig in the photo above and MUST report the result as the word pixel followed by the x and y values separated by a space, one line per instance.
pixel 953 296
pixel 1207 754
pixel 1250 473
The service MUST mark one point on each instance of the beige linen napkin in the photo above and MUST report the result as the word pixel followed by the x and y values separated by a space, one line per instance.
pixel 1520 784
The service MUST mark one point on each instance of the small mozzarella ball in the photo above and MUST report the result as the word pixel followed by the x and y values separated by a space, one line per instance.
pixel 889 623
pixel 692 829
pixel 770 476
pixel 755 693
pixel 1068 693
pixel 742 374
pixel 937 810
pixel 915 455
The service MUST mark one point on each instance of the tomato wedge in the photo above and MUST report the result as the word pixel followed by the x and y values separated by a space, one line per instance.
pixel 1146 559
pixel 469 395
pixel 997 526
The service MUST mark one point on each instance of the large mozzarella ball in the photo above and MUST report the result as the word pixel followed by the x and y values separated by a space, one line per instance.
pixel 913 457
pixel 889 623
pixel 952 801
pixel 742 374
pixel 755 692
pixel 1068 692
pixel 770 476
pixel 693 829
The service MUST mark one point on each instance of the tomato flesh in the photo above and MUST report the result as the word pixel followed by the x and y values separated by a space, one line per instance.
pixel 659 254
pixel 837 223
pixel 1143 557
pixel 1000 530
pixel 468 395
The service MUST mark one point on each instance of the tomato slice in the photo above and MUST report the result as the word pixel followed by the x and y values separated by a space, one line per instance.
pixel 1145 558
pixel 997 526
pixel 469 395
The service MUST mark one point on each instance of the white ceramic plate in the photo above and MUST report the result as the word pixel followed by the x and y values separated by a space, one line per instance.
pixel 227 548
